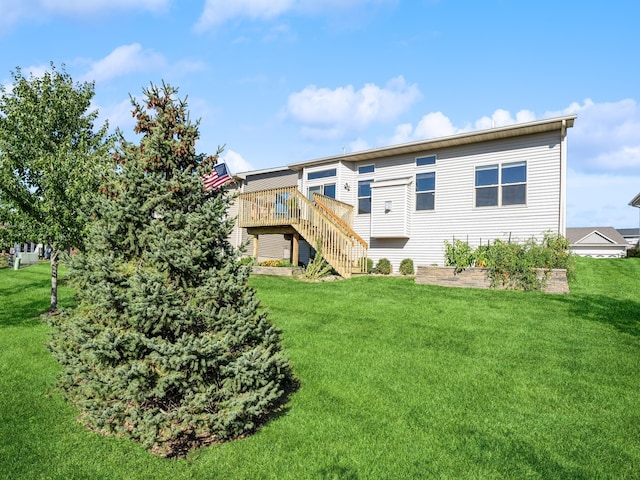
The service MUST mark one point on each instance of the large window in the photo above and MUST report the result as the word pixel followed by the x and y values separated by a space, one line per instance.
pixel 504 184
pixel 364 196
pixel 425 191
pixel 328 190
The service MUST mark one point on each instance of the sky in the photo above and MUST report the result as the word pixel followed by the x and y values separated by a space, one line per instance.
pixel 284 81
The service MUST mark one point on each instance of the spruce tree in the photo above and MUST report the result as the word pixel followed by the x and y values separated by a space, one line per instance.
pixel 168 344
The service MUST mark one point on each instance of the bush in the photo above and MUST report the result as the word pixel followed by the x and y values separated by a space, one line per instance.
pixel 383 266
pixel 365 264
pixel 318 267
pixel 458 254
pixel 275 263
pixel 247 261
pixel 514 265
pixel 406 267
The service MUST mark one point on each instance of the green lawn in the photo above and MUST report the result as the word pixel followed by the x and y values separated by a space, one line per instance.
pixel 397 381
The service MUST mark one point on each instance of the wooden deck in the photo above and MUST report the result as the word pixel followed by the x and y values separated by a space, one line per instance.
pixel 325 221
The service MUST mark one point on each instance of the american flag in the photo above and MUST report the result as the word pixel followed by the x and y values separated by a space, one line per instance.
pixel 218 177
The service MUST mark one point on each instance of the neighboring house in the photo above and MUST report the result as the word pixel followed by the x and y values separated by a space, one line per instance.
pixel 597 242
pixel 405 201
pixel 631 235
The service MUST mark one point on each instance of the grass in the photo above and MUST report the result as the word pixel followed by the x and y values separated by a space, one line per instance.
pixel 398 380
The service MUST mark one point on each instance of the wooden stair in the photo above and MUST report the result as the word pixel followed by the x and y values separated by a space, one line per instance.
pixel 324 222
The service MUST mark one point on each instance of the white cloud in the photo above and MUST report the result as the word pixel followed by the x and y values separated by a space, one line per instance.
pixel 235 161
pixel 605 136
pixel 16 11
pixel 326 113
pixel 217 12
pixel 118 115
pixel 358 145
pixel 124 60
pixel 94 6
pixel 601 199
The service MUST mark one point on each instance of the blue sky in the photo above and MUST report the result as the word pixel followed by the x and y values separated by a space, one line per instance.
pixel 282 81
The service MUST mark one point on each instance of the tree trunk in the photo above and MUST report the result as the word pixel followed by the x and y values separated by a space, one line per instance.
pixel 54 279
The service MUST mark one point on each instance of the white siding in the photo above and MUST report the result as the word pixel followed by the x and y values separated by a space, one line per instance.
pixel 390 222
pixel 455 215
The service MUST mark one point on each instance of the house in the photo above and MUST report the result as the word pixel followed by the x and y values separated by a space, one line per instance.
pixel 597 242
pixel 405 201
pixel 631 235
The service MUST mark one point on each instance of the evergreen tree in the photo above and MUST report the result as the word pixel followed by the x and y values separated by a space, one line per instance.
pixel 168 344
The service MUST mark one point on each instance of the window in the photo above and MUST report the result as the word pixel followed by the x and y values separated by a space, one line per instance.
pixel 367 169
pixel 430 160
pixel 425 191
pixel 514 186
pixel 321 174
pixel 364 196
pixel 487 186
pixel 328 190
pixel 508 182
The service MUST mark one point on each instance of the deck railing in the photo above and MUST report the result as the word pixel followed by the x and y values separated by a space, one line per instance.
pixel 341 247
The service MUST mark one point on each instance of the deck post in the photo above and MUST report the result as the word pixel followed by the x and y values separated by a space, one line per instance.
pixel 255 247
pixel 295 251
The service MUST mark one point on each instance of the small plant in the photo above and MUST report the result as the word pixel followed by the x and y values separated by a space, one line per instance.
pixel 406 267
pixel 383 266
pixel 318 267
pixel 250 261
pixel 365 264
pixel 458 254
pixel 275 263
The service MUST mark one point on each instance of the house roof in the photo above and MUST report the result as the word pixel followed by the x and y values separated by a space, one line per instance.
pixel 635 201
pixel 629 232
pixel 244 175
pixel 595 236
pixel 548 125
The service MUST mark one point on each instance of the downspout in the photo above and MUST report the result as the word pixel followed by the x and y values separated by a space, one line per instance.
pixel 562 217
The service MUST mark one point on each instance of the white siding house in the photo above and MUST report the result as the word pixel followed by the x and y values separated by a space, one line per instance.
pixel 507 182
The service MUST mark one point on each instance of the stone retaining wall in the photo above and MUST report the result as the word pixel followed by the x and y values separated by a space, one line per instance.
pixel 277 271
pixel 477 278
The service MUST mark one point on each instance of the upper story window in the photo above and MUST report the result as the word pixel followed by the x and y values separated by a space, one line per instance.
pixel 366 169
pixel 504 184
pixel 429 160
pixel 331 172
pixel 364 196
pixel 425 191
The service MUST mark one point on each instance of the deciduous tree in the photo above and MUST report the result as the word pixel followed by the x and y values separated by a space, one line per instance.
pixel 50 157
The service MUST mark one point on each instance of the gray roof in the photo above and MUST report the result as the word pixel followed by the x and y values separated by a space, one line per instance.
pixel 629 232
pixel 575 234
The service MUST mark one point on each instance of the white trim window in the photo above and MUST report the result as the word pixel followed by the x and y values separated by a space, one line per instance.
pixel 425 191
pixel 503 185
pixel 364 196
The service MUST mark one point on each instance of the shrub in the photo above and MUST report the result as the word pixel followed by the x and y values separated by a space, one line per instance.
pixel 458 254
pixel 365 264
pixel 275 263
pixel 247 261
pixel 515 265
pixel 383 266
pixel 318 267
pixel 406 267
